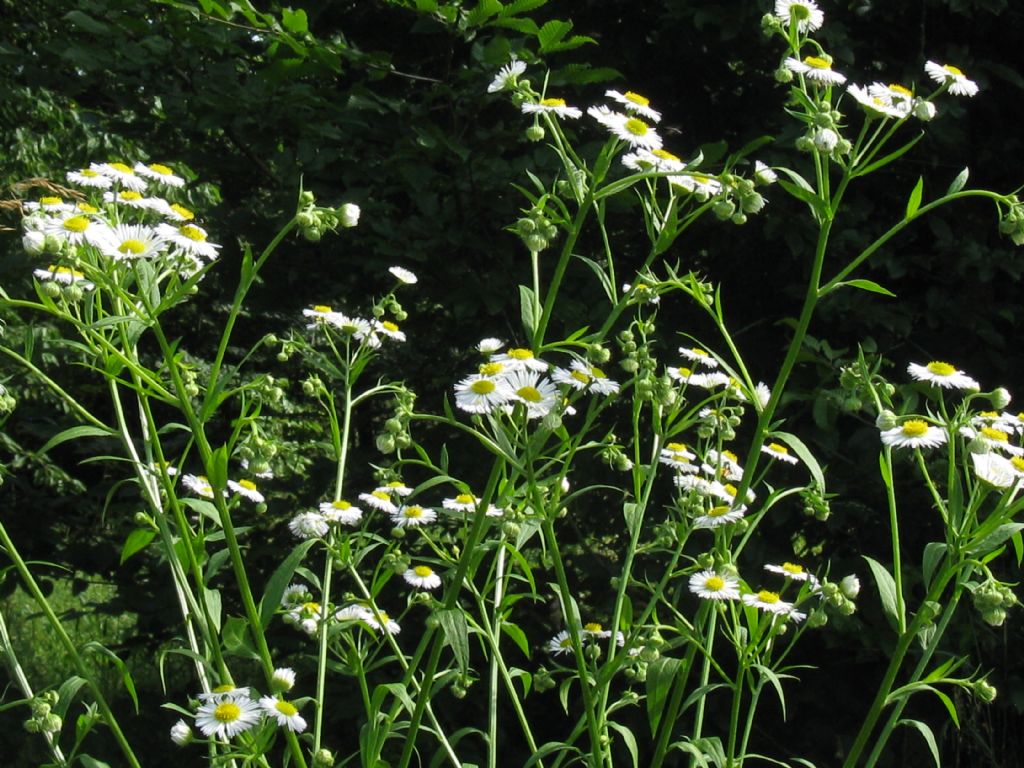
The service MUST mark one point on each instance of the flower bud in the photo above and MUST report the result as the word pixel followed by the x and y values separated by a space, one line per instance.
pixel 348 215
pixel 984 691
pixel 886 420
pixel 1000 398
pixel 34 243
pixel 535 133
pixel 323 758
pixel 924 111
pixel 850 586
pixel 73 293
pixel 386 443
pixel 52 289
pixel 181 734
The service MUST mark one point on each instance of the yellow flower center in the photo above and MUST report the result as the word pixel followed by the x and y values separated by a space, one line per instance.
pixel 249 485
pixel 731 456
pixel 665 155
pixel 423 571
pixel 491 369
pixel 914 428
pixel 129 194
pixel 382 495
pixel 413 512
pixel 482 387
pixel 132 246
pixel 676 447
pixel 182 211
pixel 718 511
pixel 701 178
pixel 321 308
pixel 311 608
pixel 581 377
pixel 730 489
pixel 989 415
pixel 193 233
pixel 767 597
pixel 940 369
pixel 995 434
pixel 953 70
pixel 520 354
pixel 714 583
pixel 66 271
pixel 88 174
pixel 552 102
pixel 593 627
pixel 50 201
pixel 341 504
pixel 529 394
pixel 465 498
pixel 122 168
pixel 76 224
pixel 685 373
pixel 900 90
pixel 793 568
pixel 1018 463
pixel 778 448
pixel 817 62
pixel 389 326
pixel 86 208
pixel 636 127
pixel 286 708
pixel 227 712
pixel 227 687
pixel 597 373
pixel 163 170
pixel 637 99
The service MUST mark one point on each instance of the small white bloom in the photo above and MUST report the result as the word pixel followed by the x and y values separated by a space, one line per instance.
pixel 228 718
pixel 792 571
pixel 189 238
pixel 816 69
pixel 160 173
pixel 941 374
pixel 404 275
pixel 380 500
pixel 181 734
pixel 552 107
pixel 63 275
pixel 198 484
pixel 422 577
pixel 517 359
pixel 481 394
pixel 914 433
pixel 583 376
pixel 348 215
pixel 86 177
pixel 413 516
pixel 770 602
pixel 719 515
pixel 709 585
pixel 995 470
pixel 246 489
pixel 120 174
pixel 284 713
pixel 309 525
pixel 340 511
pixel 633 131
pixel 489 345
pixel 283 679
pixel 560 644
pixel 805 13
pixel 779 452
pixel 507 76
pixel 536 393
pixel 959 85
pixel 124 242
pixel 656 160
pixel 389 330
pixel 634 102
pixel 850 586
pixel 764 174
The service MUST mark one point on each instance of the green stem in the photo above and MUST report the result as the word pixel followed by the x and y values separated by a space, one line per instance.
pixel 894 528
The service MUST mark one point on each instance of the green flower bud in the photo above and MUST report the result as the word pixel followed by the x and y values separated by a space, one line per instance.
pixel 984 691
pixel 1000 398
pixel 535 133
pixel 818 618
pixel 994 618
pixel 306 198
pixel 386 443
pixel 323 759
pixel 51 723
pixel 52 289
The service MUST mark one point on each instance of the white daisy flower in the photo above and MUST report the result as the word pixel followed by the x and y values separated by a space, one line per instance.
pixel 413 516
pixel 877 103
pixel 721 514
pixel 422 577
pixel 120 174
pixel 489 345
pixel 560 644
pixel 246 489
pixel 793 572
pixel 396 487
pixel 380 500
pixel 133 199
pixel 190 239
pixel 699 356
pixel 992 438
pixel 657 161
pixel 583 376
pixel 321 313
pixel 388 329
pixel 86 177
pixel 944 375
pixel 228 718
pixel 634 102
pixel 816 69
pixel 130 241
pixel 198 484
pixel 507 76
pixel 75 229
pixel 727 492
pixel 158 172
pixel 764 174
pixel 404 275
pixel 356 327
pixel 633 131
pixel 50 204
pixel 995 470
pixel 517 359
pixel 723 466
pixel 699 184
pixel 679 457
pixel 306 617
pixel 537 393
pixel 1014 421
pixel 283 679
pixel 481 394
pixel 914 433
pixel 224 692
pixel 382 622
pixel 295 594
pixel 704 380
pixel 63 275
pixel 340 511
pixel 692 483
pixel 309 525
pixel 284 713
pixel 959 85
pixel 709 585
pixel 770 602
pixel 181 734
pixel 593 631
pixel 353 612
pixel 552 107
pixel 468 503
pixel 779 452
pixel 762 395
pixel 805 13
pixel 177 212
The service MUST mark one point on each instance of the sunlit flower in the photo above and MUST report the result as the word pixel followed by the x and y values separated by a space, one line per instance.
pixel 284 713
pixel 198 484
pixel 995 470
pixel 120 174
pixel 942 375
pixel 481 394
pixel 413 516
pixel 770 602
pixel 633 131
pixel 634 102
pixel 181 734
pixel 779 452
pixel 657 160
pixel 389 329
pixel 160 173
pixel 699 356
pixel 792 571
pixel 711 380
pixel 992 438
pixel 536 393
pixel 691 483
pixel 877 101
pixel 552 107
pixel 309 525
pixel 721 514
pixel 593 630
pixel 189 238
pixel 321 313
pixel 489 345
pixel 959 85
pixel 125 242
pixel 762 395
pixel 380 621
pixel 404 275
pixel 507 76
pixel 816 69
pixel 133 199
pixel 246 489
pixel 805 13
pixel 228 718
pixel 560 644
pixel 396 487
pixel 87 177
pixel 178 212
pixel 283 679
pixel 914 433
pixel 699 184
pixel 517 359
pixel 75 229
pixel 63 275
pixel 340 511
pixel 306 616
pixel 224 692
pixel 380 500
pixel 722 466
pixel 709 585
pixel 583 376
pixel 678 456
pixel 422 577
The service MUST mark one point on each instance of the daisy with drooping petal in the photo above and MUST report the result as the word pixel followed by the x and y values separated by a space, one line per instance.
pixel 805 13
pixel 228 718
pixel 381 622
pixel 309 525
pixel 190 239
pixel 914 433
pixel 404 275
pixel 992 438
pixel 721 514
pixel 556 107
pixel 876 104
pixel 944 74
pixel 779 452
pixel 396 487
pixel 657 161
pixel 536 393
pixel 634 102
pixel 160 173
pixel 517 359
pixel 816 69
pixel 507 77
pixel 63 275
pixel 560 644
pixel 320 313
pixel 86 177
pixel 247 490
pixel 594 631
pixel 283 679
pixel 489 345
pixel 723 466
pixel 699 184
pixel 422 577
pixel 708 585
pixel 764 174
pixel 995 470
pixel 133 199
pixel 691 483
pixel 413 516
pixel 340 511
pixel 306 616
pixel 120 174
pixel 380 500
pixel 941 374
pixel 284 713
pixel 703 380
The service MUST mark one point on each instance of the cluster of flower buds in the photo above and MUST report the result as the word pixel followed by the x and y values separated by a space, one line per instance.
pixel 396 429
pixel 43 719
pixel 992 599
pixel 1012 223
pixel 841 596
pixel 314 221
pixel 536 231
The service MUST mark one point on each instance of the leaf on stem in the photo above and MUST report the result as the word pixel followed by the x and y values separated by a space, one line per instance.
pixel 915 198
pixel 453 624
pixel 278 582
pixel 886 591
pixel 866 285
pixel 927 735
pixel 660 674
pixel 959 182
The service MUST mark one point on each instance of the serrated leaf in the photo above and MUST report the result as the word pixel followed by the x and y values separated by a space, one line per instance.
pixel 886 591
pixel 959 182
pixel 484 10
pixel 915 198
pixel 137 541
pixel 553 32
pixel 867 285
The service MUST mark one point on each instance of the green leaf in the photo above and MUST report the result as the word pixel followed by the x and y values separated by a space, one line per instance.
pixel 987 543
pixel 453 624
pixel 213 606
pixel 218 469
pixel 87 23
pixel 886 591
pixel 91 762
pixel 236 638
pixel 927 735
pixel 629 738
pixel 66 694
pixel 867 285
pixel 885 469
pixel 633 514
pixel 809 196
pixel 74 433
pixel 527 310
pixel 484 10
pixel 518 636
pixel 660 674
pixel 552 33
pixel 959 182
pixel 295 22
pixel 915 198
pixel 804 454
pixel 278 582
pixel 933 553
pixel 895 155
pixel 126 675
pixel 137 541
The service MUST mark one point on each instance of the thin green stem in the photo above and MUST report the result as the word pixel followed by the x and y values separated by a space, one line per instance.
pixel 894 529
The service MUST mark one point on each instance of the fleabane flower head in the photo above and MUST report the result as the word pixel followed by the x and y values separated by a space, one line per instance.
pixel 120 174
pixel 721 514
pixel 779 452
pixel 518 359
pixel 189 238
pixel 914 433
pixel 877 101
pixel 284 713
pixel 125 242
pixel 699 356
pixel 816 69
pixel 583 376
pixel 792 571
pixel 413 516
pixel 943 375
pixel 537 393
pixel 635 103
pixel 507 77
pixel 632 130
pixel 481 394
pixel 959 84
pixel 404 275
pixel 422 577
pixel 86 177
pixel 341 511
pixel 63 275
pixel 995 470
pixel 247 490
pixel 159 173
pixel 657 161
pixel 770 602
pixel 700 184
pixel 309 525
pixel 75 228
pixel 556 107
pixel 805 13
pixel 709 585
pixel 560 644
pixel 227 718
